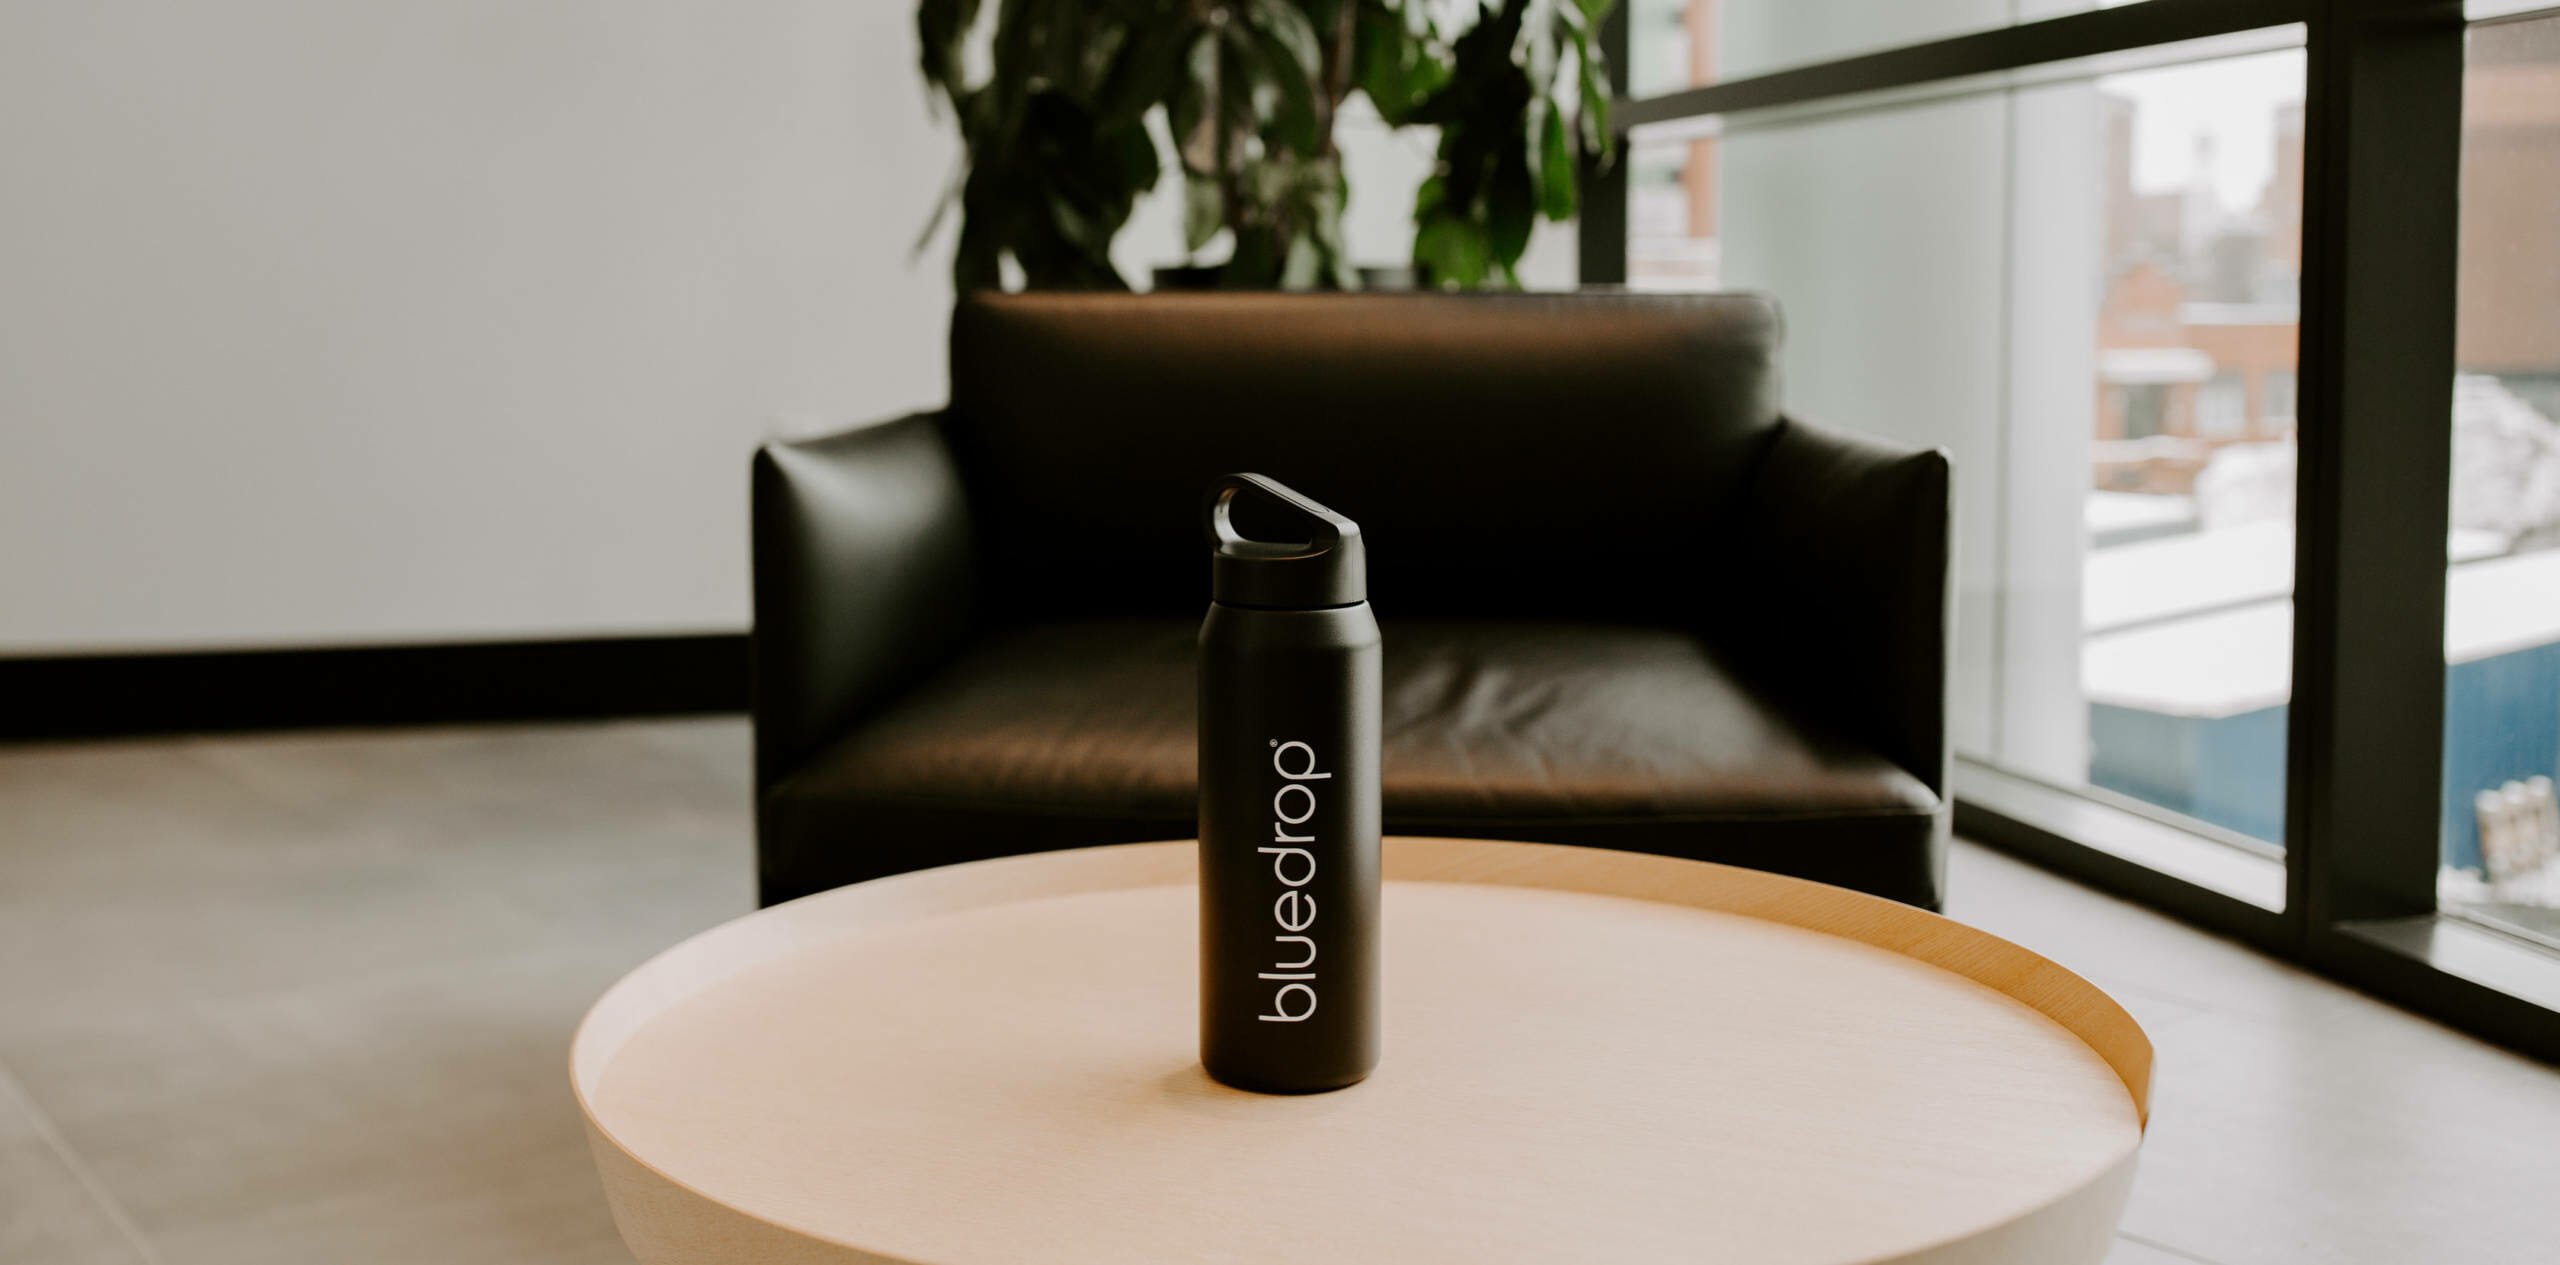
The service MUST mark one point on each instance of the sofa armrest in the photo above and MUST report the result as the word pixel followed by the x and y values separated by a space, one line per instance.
pixel 1848 574
pixel 863 578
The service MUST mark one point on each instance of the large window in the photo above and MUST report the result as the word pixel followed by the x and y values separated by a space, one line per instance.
pixel 2088 291
pixel 2249 623
pixel 2502 593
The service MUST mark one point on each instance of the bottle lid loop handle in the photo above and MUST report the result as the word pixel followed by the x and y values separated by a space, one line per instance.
pixel 1328 568
pixel 1326 527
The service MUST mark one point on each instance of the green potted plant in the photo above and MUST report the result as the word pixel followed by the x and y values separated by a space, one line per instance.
pixel 1057 144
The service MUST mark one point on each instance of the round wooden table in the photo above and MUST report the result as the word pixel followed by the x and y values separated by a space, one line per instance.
pixel 1590 1056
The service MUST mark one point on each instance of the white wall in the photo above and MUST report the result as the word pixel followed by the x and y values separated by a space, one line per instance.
pixel 328 322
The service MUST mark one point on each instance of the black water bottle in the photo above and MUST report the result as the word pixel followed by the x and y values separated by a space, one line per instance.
pixel 1289 732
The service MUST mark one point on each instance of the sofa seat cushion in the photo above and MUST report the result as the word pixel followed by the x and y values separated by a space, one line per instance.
pixel 1078 733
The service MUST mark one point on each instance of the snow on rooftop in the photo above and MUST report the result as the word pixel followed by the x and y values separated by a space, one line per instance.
pixel 2107 512
pixel 2240 659
pixel 2183 575
pixel 2200 623
pixel 2169 576
pixel 2506 460
pixel 2501 606
pixel 2137 365
pixel 2207 313
pixel 2208 666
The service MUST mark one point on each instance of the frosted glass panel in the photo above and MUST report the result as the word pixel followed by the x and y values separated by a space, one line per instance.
pixel 2087 293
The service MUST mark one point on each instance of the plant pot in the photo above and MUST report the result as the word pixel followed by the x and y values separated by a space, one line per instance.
pixel 1381 277
pixel 1189 276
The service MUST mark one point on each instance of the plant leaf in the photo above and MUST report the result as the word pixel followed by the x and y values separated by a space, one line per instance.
pixel 1135 147
pixel 1428 199
pixel 1256 263
pixel 1556 176
pixel 1144 74
pixel 1450 251
pixel 1288 61
pixel 1286 25
pixel 1304 264
pixel 942 34
pixel 1511 204
pixel 1204 211
pixel 1191 111
pixel 1591 68
pixel 1325 197
pixel 1396 59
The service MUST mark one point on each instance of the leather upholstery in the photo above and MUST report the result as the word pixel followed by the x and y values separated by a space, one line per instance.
pixel 1537 455
pixel 863 576
pixel 1626 602
pixel 1854 542
pixel 1083 732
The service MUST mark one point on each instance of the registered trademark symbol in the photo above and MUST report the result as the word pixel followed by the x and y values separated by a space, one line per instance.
pixel 1275 742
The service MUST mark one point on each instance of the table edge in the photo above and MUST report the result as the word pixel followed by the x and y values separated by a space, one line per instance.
pixel 703 960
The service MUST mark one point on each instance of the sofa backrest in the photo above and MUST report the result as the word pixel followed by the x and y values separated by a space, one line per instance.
pixel 1518 455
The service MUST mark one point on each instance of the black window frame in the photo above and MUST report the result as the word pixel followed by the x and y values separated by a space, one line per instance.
pixel 2365 733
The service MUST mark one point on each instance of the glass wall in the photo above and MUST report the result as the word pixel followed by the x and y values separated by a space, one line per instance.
pixel 2501 839
pixel 2188 511
pixel 2087 291
pixel 2072 251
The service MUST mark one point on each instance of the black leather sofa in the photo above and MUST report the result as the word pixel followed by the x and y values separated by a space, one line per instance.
pixel 1627 602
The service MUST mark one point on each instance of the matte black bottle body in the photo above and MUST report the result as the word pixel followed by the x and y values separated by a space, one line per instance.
pixel 1289 820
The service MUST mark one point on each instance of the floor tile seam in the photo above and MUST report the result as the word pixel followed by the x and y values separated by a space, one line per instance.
pixel 2158 1246
pixel 47 1133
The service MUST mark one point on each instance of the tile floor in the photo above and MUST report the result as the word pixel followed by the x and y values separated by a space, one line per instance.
pixel 306 998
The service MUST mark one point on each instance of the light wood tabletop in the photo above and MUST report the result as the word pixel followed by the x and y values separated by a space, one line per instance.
pixel 1589 1055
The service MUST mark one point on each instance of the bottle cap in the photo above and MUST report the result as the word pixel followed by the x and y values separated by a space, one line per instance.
pixel 1327 567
